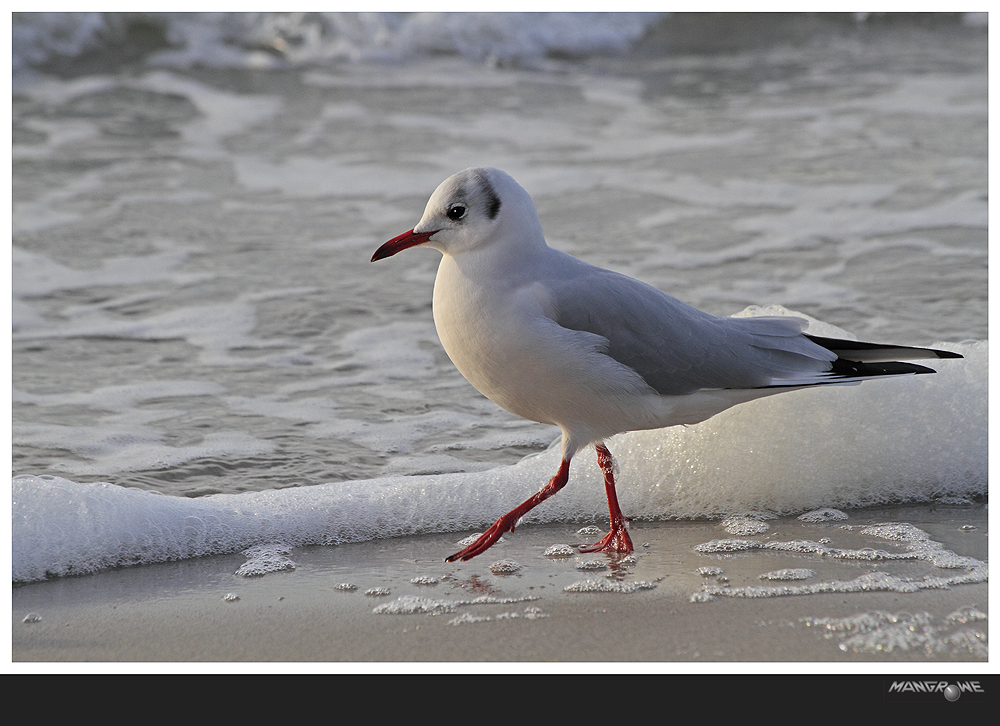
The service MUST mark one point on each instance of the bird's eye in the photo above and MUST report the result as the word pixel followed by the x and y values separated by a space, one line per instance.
pixel 456 212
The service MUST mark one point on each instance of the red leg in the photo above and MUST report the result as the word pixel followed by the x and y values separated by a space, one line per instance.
pixel 617 540
pixel 507 522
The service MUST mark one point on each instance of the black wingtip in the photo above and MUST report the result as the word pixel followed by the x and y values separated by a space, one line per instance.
pixel 855 369
pixel 878 352
pixel 946 353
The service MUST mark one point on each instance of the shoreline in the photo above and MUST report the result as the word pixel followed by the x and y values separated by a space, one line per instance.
pixel 408 606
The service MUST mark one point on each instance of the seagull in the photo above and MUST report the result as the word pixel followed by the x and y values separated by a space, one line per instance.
pixel 556 340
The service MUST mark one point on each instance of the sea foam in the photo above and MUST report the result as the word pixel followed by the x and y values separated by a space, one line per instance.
pixel 281 40
pixel 911 439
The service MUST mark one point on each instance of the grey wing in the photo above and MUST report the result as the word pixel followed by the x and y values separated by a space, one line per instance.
pixel 678 349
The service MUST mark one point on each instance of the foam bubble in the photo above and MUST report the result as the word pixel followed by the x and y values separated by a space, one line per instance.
pixel 869 582
pixel 559 550
pixel 607 585
pixel 919 547
pixel 504 567
pixel 530 613
pixel 465 542
pixel 967 615
pixel 710 571
pixel 823 515
pixel 264 559
pixel 494 600
pixel 742 526
pixel 412 604
pixel 882 632
pixel 789 574
pixel 725 546
pixel 897 531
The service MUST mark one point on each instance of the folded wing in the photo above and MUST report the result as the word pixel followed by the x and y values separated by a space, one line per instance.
pixel 678 349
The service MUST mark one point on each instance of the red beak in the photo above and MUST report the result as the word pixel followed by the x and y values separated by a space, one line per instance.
pixel 400 243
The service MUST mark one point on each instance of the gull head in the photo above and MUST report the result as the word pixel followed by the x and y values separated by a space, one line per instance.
pixel 470 210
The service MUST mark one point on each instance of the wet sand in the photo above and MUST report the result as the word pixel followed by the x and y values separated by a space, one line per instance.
pixel 397 601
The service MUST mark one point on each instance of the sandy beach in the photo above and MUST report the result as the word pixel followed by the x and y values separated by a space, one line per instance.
pixel 397 601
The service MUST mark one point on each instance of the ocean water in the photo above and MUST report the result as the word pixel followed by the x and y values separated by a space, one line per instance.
pixel 204 359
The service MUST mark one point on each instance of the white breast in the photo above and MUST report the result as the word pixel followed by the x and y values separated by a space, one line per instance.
pixel 501 339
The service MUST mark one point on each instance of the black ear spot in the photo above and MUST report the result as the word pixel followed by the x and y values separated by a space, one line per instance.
pixel 490 194
pixel 492 202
